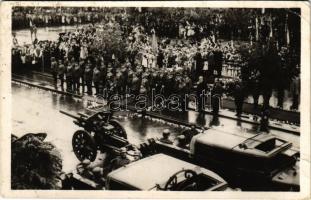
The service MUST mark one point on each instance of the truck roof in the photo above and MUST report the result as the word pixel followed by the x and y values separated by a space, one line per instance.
pixel 146 173
pixel 260 145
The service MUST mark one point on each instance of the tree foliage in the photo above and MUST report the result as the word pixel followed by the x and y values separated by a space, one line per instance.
pixel 35 164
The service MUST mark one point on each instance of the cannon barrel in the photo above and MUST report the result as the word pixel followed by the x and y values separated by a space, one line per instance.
pixel 74 116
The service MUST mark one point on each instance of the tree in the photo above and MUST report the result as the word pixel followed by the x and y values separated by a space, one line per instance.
pixel 35 164
pixel 112 40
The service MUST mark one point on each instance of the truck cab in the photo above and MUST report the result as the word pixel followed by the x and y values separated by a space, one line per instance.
pixel 262 160
pixel 163 172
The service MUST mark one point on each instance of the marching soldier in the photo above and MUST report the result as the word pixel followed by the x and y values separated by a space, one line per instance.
pixel 264 121
pixel 200 86
pixel 82 68
pixel 61 73
pixel 96 79
pixel 69 76
pixel 238 97
pixel 76 77
pixel 88 75
pixel 216 97
pixel 135 85
pixel 54 69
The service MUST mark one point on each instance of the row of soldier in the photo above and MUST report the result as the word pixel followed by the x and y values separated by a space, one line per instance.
pixel 108 79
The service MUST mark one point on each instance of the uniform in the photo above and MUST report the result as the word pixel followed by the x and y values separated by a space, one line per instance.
pixel 238 98
pixel 96 79
pixel 76 77
pixel 54 69
pixel 69 77
pixel 216 98
pixel 88 75
pixel 61 74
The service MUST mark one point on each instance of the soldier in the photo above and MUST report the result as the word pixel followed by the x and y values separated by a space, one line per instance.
pixel 264 120
pixel 103 73
pixel 120 160
pixel 216 97
pixel 200 86
pixel 61 73
pixel 238 97
pixel 82 68
pixel 76 77
pixel 96 79
pixel 190 133
pixel 135 85
pixel 88 74
pixel 165 137
pixel 69 76
pixel 182 143
pixel 54 69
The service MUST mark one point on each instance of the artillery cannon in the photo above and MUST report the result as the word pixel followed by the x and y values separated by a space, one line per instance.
pixel 100 132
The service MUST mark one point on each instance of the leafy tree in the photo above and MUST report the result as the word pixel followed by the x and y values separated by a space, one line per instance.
pixel 35 164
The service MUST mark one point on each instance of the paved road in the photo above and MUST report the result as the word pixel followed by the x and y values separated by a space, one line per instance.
pixel 36 110
pixel 227 103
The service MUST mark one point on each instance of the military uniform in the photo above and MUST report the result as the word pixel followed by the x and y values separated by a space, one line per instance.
pixel 54 69
pixel 216 97
pixel 238 98
pixel 96 79
pixel 88 75
pixel 61 74
pixel 76 78
pixel 69 77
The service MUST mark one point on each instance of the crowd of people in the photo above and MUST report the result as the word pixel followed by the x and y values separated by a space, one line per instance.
pixel 150 59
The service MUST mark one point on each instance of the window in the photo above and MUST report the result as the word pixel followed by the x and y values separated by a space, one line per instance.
pixel 270 145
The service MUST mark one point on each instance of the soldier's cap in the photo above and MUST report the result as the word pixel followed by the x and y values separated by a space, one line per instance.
pixel 86 162
pixel 123 150
pixel 181 137
pixel 166 132
pixel 97 170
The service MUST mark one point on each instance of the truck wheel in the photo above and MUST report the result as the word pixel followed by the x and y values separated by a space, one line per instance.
pixel 118 129
pixel 84 145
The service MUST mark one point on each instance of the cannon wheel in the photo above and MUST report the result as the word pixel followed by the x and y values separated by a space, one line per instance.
pixel 118 129
pixel 84 145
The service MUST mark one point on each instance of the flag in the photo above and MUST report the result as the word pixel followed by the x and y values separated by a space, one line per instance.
pixel 271 28
pixel 287 31
pixel 154 42
pixel 257 31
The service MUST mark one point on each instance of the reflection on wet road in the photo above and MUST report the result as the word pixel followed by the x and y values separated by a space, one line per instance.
pixel 36 110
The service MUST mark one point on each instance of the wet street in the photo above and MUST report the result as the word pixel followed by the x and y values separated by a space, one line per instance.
pixel 42 107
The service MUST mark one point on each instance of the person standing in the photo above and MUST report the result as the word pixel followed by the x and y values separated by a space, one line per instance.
pixel 76 77
pixel 264 122
pixel 238 97
pixel 200 86
pixel 295 90
pixel 69 76
pixel 160 58
pixel 96 79
pixel 54 69
pixel 88 75
pixel 216 97
pixel 199 63
pixel 61 73
pixel 82 68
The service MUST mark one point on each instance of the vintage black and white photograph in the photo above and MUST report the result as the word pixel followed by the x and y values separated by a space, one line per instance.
pixel 156 98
